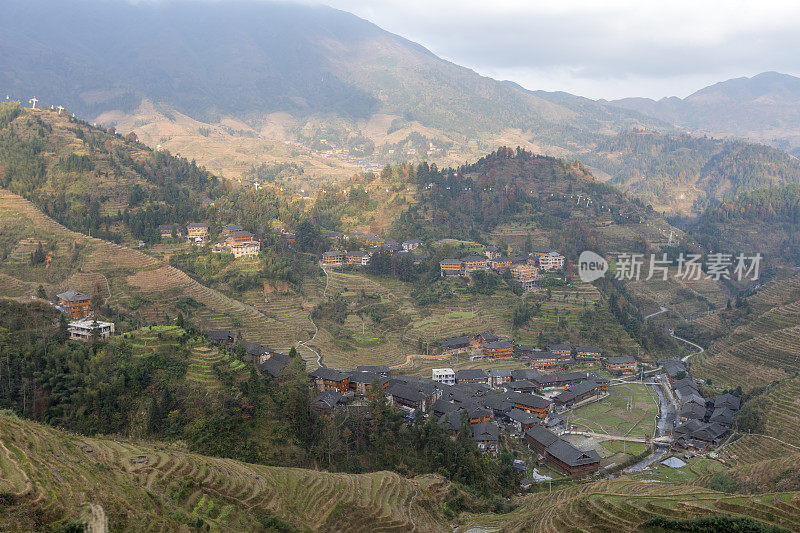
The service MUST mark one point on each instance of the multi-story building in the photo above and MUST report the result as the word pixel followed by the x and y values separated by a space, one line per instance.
pixel 75 304
pixel 333 258
pixel 551 260
pixel 84 330
pixel 450 267
pixel 197 232
pixel 445 376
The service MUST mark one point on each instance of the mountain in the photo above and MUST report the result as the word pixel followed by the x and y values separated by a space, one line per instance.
pixel 765 108
pixel 229 83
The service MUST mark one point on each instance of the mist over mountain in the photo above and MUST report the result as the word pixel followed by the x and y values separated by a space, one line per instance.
pixel 240 83
pixel 765 107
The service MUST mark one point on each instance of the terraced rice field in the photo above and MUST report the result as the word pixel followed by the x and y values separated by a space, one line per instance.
pixel 765 348
pixel 131 276
pixel 48 476
pixel 624 505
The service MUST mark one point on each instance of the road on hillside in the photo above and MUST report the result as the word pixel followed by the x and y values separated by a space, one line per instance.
pixel 304 344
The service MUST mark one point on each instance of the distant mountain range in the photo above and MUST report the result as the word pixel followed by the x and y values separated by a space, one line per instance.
pixel 244 82
pixel 765 107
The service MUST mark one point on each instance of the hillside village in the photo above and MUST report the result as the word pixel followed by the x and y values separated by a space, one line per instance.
pixel 568 407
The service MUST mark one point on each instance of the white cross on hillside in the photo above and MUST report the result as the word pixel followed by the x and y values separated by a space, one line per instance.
pixel 60 109
pixel 33 101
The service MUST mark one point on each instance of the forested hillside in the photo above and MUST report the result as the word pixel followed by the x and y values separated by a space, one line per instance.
pixel 763 108
pixel 685 174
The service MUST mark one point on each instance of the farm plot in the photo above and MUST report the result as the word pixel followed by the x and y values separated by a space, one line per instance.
pixel 628 410
pixel 56 474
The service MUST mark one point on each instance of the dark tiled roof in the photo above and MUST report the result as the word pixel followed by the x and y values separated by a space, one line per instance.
pixel 621 360
pixel 559 347
pixel 728 400
pixel 542 435
pixel 528 400
pixel 576 390
pixel 470 373
pixel 327 399
pixel 488 337
pixel 275 365
pixel 455 342
pixel 219 335
pixel 523 417
pixel 485 431
pixel 572 456
pixel 404 392
pixel 500 373
pixel 498 345
pixel 329 374
pixel 73 296
pixel 588 349
pixel 524 374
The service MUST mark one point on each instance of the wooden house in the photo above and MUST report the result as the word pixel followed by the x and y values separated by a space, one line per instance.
pixel 361 382
pixel 456 345
pixel 522 420
pixel 197 232
pixel 530 403
pixel 329 379
pixel 450 267
pixel 75 304
pixel 357 258
pixel 222 337
pixel 327 401
pixel 563 351
pixel 589 354
pixel 539 251
pixel 486 435
pixel 571 460
pixel 472 263
pixel 333 258
pixel 544 361
pixel 498 349
pixel 230 229
pixel 239 237
pixel 577 393
pixel 624 364
pixel 499 377
pixel 472 375
pixel 169 230
pixel 538 439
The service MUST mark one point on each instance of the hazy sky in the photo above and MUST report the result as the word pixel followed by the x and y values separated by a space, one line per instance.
pixel 600 48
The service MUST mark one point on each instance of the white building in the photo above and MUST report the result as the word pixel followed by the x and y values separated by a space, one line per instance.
pixel 81 330
pixel 445 376
pixel 551 260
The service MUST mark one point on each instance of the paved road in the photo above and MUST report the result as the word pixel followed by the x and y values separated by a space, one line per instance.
pixel 661 310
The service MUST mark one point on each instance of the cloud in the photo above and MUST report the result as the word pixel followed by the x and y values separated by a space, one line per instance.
pixel 608 48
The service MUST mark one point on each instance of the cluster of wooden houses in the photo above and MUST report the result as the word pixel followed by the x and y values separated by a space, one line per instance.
pixel 556 357
pixel 701 422
pixel 487 402
pixel 373 243
pixel 267 360
pixel 524 270
pixel 238 242
pixel 235 240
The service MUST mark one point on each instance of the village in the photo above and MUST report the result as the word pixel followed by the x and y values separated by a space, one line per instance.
pixel 537 407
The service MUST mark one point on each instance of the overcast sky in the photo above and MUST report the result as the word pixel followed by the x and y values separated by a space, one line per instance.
pixel 600 48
